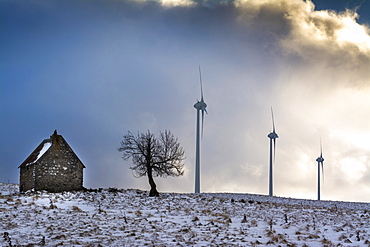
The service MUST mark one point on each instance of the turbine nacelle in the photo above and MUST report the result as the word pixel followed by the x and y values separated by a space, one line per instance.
pixel 320 159
pixel 201 105
pixel 273 135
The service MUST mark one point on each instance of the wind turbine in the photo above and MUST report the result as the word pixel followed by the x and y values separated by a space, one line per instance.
pixel 201 107
pixel 273 135
pixel 320 160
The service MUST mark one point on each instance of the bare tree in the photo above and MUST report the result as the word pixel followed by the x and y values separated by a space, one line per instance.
pixel 153 157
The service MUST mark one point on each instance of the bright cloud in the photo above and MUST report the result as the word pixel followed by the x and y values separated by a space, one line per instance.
pixel 354 33
pixel 354 168
pixel 177 3
pixel 305 27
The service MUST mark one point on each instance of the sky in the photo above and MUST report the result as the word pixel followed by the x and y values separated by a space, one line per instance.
pixel 95 70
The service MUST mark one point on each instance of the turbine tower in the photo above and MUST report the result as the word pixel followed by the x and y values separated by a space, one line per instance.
pixel 273 135
pixel 201 107
pixel 319 160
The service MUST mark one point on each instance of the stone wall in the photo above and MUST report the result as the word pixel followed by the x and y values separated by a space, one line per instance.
pixel 59 173
pixel 27 180
pixel 59 169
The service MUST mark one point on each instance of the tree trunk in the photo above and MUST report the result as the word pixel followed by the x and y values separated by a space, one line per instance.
pixel 153 186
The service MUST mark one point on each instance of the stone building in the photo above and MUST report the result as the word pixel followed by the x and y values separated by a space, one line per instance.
pixel 52 166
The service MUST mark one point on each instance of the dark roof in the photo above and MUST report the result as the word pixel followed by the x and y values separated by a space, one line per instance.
pixel 35 155
pixel 43 147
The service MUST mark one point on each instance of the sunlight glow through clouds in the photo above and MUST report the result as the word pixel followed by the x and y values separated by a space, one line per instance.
pixel 354 33
pixel 176 3
pixel 170 3
pixel 354 168
pixel 351 114
pixel 358 139
pixel 305 163
pixel 256 171
pixel 328 27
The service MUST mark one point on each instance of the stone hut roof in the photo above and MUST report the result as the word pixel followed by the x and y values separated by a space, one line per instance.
pixel 37 153
pixel 45 146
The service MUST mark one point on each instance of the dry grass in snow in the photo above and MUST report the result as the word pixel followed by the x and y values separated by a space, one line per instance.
pixel 114 217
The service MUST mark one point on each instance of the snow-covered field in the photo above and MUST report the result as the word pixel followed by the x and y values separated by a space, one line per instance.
pixel 114 217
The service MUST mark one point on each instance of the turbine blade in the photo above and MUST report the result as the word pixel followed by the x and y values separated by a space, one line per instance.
pixel 273 122
pixel 322 161
pixel 322 170
pixel 274 150
pixel 202 122
pixel 201 86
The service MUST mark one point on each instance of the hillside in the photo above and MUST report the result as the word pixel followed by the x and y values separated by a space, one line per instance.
pixel 112 217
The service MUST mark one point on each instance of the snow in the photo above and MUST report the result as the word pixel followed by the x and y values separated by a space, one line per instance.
pixel 129 217
pixel 45 148
pixel 8 189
